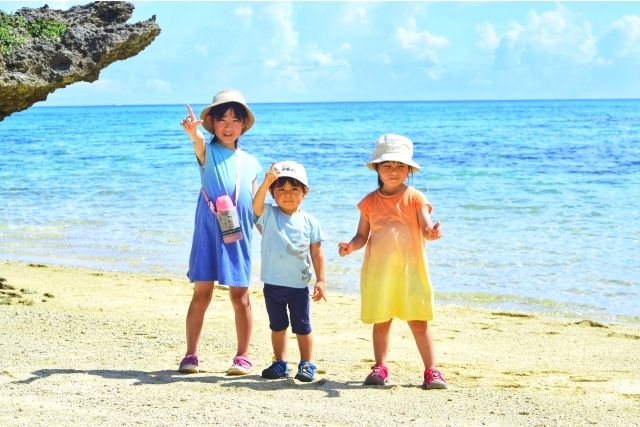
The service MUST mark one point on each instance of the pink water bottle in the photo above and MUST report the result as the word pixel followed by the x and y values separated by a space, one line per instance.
pixel 228 219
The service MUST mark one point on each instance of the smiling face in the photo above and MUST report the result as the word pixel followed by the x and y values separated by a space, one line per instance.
pixel 288 194
pixel 227 128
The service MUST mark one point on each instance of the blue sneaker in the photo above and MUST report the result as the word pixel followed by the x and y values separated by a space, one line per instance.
pixel 278 369
pixel 306 371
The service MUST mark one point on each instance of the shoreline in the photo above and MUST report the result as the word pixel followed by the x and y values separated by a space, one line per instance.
pixel 83 344
pixel 556 309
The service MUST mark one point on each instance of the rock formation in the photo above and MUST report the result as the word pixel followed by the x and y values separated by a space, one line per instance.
pixel 95 35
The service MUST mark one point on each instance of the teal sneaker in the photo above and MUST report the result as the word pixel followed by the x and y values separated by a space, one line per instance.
pixel 278 369
pixel 306 371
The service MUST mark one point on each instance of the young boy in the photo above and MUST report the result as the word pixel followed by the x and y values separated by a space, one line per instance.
pixel 291 244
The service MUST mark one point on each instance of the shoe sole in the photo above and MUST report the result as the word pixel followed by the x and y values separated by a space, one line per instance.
pixel 274 377
pixel 375 381
pixel 303 378
pixel 435 385
pixel 188 369
pixel 236 370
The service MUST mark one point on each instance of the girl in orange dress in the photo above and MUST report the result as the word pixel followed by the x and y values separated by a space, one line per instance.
pixel 395 223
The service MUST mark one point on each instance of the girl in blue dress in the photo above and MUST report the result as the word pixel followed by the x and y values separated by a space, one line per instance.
pixel 228 176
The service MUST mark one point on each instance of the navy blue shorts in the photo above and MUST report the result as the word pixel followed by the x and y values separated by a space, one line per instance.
pixel 278 298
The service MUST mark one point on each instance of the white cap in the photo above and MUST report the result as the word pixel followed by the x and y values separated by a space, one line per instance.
pixel 293 170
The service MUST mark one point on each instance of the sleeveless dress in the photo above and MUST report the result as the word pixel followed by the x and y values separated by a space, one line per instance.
pixel 211 259
pixel 394 280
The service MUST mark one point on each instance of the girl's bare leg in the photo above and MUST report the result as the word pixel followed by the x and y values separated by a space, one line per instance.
pixel 422 335
pixel 243 316
pixel 381 341
pixel 202 292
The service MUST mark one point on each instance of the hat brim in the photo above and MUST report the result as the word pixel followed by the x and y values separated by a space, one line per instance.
pixel 285 174
pixel 391 157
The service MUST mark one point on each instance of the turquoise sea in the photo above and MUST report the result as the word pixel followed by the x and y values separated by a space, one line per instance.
pixel 538 199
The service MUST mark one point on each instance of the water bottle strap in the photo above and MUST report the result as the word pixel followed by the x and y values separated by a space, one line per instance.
pixel 212 206
pixel 210 203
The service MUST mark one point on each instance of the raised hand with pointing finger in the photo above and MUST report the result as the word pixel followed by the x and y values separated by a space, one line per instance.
pixel 225 171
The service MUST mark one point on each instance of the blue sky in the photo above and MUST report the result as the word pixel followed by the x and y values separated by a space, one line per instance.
pixel 367 51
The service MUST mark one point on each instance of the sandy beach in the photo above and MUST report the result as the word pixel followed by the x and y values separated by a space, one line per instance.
pixel 89 347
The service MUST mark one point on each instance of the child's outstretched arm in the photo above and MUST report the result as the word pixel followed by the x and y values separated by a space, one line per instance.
pixel 317 258
pixel 429 230
pixel 359 240
pixel 258 198
pixel 190 125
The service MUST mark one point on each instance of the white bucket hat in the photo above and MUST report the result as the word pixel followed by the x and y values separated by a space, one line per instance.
pixel 393 148
pixel 292 169
pixel 222 97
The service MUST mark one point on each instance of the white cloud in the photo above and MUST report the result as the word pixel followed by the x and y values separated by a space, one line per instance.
pixel 627 29
pixel 344 47
pixel 322 58
pixel 548 37
pixel 556 33
pixel 512 34
pixel 434 73
pixel 355 14
pixel 284 41
pixel 488 38
pixel 334 60
pixel 296 67
pixel 280 52
pixel 423 43
pixel 270 64
pixel 245 13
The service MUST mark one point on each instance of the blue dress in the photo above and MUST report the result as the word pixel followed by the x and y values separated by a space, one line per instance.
pixel 211 259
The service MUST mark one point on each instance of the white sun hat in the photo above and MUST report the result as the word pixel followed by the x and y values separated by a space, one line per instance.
pixel 393 148
pixel 222 97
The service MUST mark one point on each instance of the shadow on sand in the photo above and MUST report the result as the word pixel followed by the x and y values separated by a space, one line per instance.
pixel 254 382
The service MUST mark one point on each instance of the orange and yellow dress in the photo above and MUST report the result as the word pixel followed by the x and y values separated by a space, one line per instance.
pixel 394 280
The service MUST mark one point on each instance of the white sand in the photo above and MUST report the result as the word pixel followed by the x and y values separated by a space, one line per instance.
pixel 103 350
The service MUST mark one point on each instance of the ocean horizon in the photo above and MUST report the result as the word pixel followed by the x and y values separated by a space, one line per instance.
pixel 39 105
pixel 538 198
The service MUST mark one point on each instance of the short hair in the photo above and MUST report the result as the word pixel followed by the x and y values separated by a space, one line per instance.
pixel 280 182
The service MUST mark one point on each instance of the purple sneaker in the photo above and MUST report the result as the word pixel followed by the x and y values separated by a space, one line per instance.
pixel 189 364
pixel 379 376
pixel 241 366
